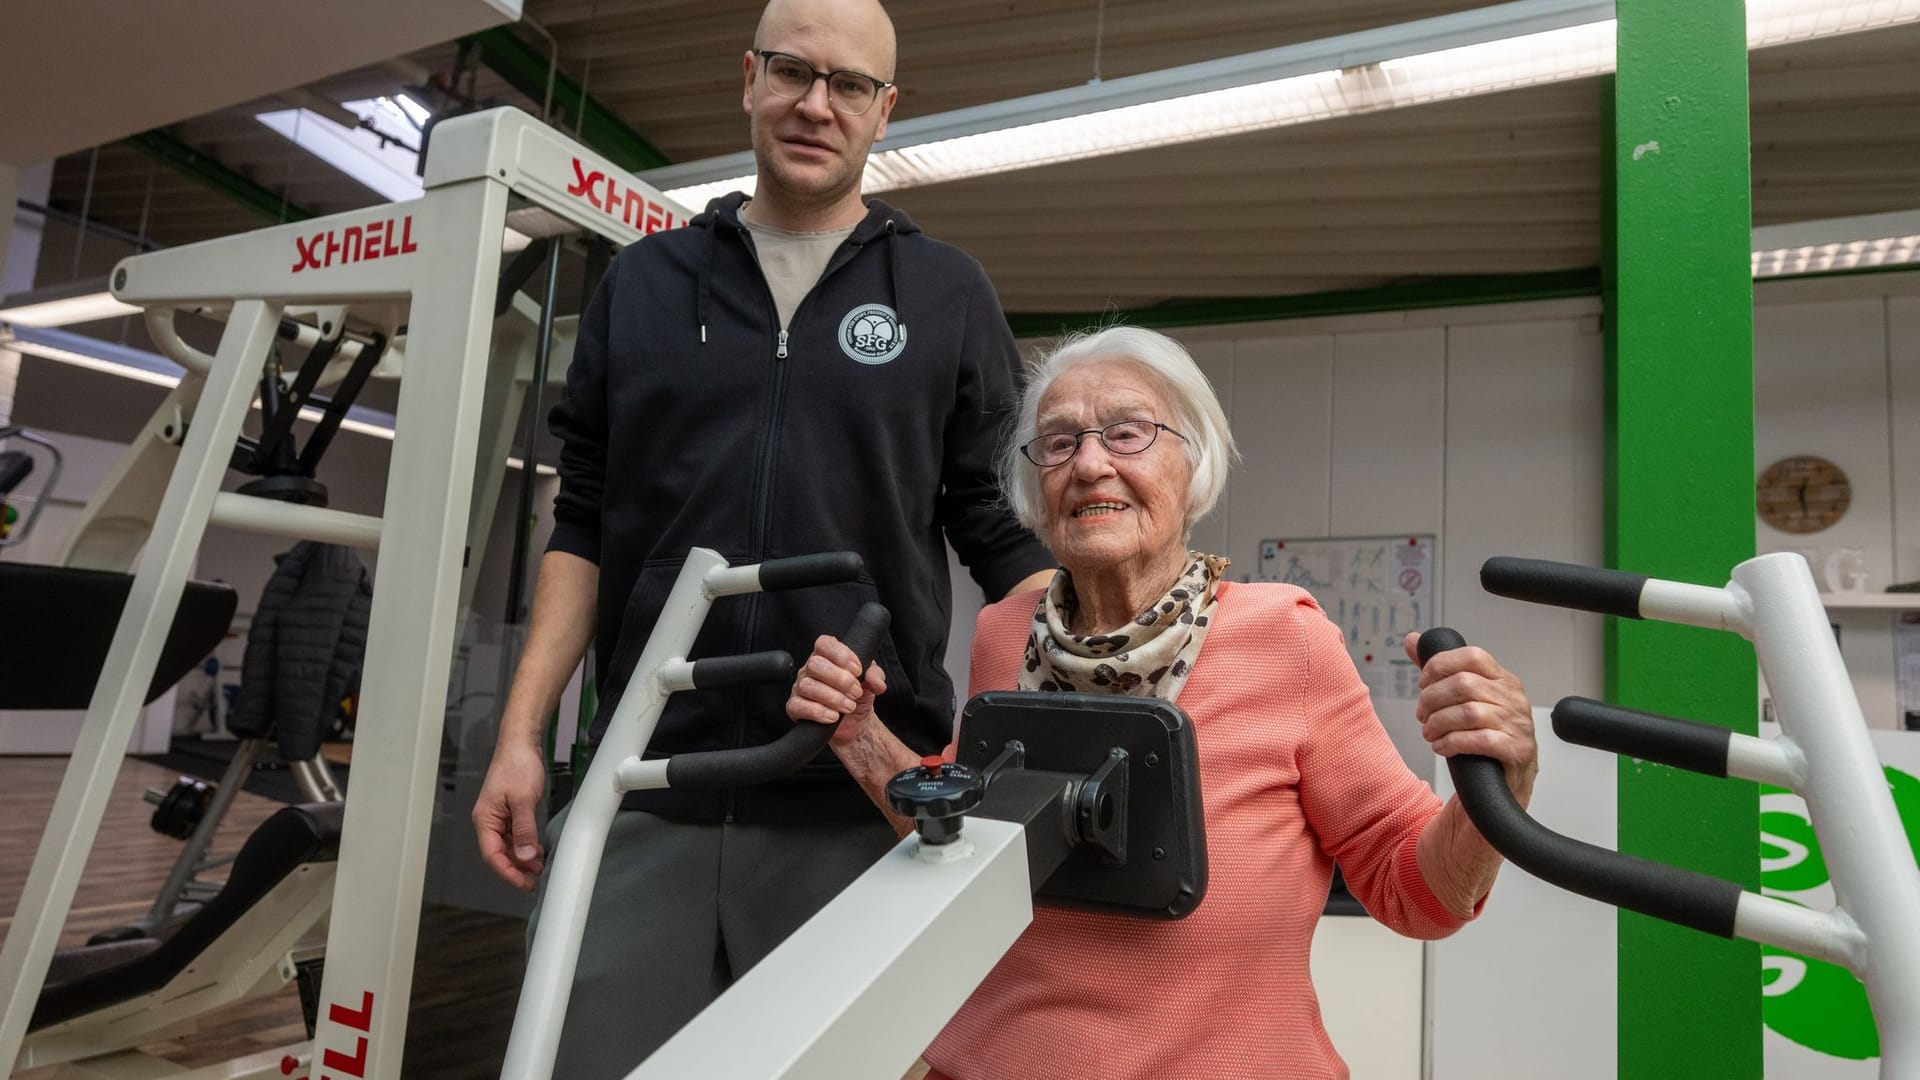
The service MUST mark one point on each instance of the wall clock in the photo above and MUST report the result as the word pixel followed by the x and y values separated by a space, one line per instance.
pixel 1802 494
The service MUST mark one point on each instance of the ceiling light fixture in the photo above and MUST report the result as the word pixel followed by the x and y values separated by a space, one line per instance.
pixel 78 350
pixel 64 305
pixel 1483 51
pixel 1865 242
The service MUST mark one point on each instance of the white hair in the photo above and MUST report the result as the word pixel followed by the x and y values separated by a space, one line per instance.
pixel 1196 414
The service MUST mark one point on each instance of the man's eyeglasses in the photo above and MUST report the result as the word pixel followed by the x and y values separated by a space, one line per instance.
pixel 849 92
pixel 1125 437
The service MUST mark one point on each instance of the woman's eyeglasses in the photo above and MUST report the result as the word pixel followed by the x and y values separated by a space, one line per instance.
pixel 1125 437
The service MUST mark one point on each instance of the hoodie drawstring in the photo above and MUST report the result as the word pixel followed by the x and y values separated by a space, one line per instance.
pixel 706 276
pixel 893 273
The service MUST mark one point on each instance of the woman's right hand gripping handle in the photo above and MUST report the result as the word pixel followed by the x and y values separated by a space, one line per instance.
pixel 758 764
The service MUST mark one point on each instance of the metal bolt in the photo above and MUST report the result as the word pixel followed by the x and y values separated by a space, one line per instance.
pixel 119 279
pixel 1153 761
pixel 981 746
pixel 1159 854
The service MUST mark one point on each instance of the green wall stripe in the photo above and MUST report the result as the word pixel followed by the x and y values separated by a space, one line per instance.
pixel 525 68
pixel 170 149
pixel 1680 480
pixel 1442 292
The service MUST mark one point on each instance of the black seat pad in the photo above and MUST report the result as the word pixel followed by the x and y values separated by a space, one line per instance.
pixel 292 836
pixel 60 624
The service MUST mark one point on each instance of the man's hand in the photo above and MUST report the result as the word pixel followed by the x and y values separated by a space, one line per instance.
pixel 503 816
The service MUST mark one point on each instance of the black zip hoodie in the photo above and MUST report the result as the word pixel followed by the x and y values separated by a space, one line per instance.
pixel 870 425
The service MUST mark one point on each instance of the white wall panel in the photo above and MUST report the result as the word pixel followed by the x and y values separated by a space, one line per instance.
pixel 1526 991
pixel 1389 432
pixel 1820 387
pixel 1903 361
pixel 1283 421
pixel 1525 480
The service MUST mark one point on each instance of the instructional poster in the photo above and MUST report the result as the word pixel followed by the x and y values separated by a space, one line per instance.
pixel 1374 588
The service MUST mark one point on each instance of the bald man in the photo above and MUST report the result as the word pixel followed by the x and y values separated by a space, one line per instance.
pixel 803 371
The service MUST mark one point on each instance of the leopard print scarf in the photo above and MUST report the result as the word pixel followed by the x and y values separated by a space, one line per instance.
pixel 1149 657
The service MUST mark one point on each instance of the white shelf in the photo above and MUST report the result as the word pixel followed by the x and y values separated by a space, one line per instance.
pixel 1883 601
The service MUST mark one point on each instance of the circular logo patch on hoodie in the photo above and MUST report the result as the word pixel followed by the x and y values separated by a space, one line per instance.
pixel 872 334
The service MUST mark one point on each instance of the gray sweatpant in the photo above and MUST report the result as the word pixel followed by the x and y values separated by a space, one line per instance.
pixel 680 910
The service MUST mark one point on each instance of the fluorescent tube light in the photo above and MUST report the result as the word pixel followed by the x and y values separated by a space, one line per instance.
pixel 64 305
pixel 1467 53
pixel 697 196
pixel 1777 22
pixel 93 354
pixel 1884 251
pixel 81 351
pixel 1833 244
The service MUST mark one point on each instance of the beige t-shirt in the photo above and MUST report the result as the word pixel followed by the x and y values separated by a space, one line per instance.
pixel 792 261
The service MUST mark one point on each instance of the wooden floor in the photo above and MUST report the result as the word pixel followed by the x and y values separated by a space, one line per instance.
pixel 467 970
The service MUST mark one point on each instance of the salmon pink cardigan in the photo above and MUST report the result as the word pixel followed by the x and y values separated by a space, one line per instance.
pixel 1296 772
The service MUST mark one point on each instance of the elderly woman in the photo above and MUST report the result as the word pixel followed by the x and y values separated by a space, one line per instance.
pixel 1121 447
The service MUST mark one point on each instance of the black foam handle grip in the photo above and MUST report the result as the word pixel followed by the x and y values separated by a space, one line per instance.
pixel 799 745
pixel 1679 896
pixel 1684 744
pixel 803 571
pixel 1567 585
pixel 740 670
pixel 1436 641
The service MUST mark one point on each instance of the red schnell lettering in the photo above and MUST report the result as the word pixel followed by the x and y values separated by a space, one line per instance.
pixel 581 181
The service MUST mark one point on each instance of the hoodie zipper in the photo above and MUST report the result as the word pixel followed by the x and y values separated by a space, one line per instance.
pixel 776 405
pixel 763 487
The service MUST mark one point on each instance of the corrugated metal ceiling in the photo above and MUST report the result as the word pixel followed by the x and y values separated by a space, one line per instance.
pixel 1498 184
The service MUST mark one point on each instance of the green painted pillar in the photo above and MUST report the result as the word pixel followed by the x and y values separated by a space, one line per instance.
pixel 1679 300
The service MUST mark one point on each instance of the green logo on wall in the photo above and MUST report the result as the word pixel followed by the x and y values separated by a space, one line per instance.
pixel 1819 1005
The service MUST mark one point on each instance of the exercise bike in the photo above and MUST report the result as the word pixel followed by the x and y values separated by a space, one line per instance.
pixel 1822 753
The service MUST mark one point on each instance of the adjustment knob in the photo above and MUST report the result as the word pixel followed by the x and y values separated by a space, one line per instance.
pixel 936 794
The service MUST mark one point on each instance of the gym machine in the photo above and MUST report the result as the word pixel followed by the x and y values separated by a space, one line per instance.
pixel 1078 800
pixel 1822 754
pixel 408 289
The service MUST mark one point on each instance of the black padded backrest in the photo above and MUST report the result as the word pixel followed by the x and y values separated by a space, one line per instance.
pixel 15 466
pixel 291 837
pixel 56 624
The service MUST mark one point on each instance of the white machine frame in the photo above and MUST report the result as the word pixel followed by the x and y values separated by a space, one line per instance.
pixel 866 1010
pixel 1824 754
pixel 431 266
pixel 835 1004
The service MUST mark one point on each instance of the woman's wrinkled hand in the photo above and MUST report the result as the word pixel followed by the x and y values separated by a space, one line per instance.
pixel 829 688
pixel 1469 704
